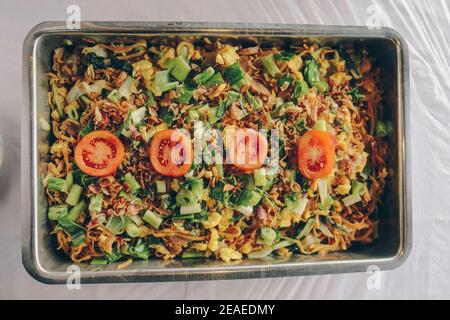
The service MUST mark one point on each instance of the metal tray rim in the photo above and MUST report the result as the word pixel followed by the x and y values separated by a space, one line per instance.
pixel 28 181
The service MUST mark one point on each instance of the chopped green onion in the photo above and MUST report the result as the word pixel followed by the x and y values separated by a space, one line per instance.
pixel 57 211
pixel 185 197
pixel 322 184
pixel 327 203
pixel 252 100
pixel 190 208
pixel 113 256
pixel 219 168
pixel 212 115
pixel 295 203
pixel 114 96
pixel 300 89
pixel 312 75
pixel 270 65
pixel 192 255
pixel 284 55
pixel 249 198
pixel 166 115
pixel 193 115
pixel 300 125
pixel 69 180
pixel 74 195
pixel 132 230
pixel 383 129
pixel 162 83
pixel 126 89
pixel 57 184
pixel 260 177
pixel 261 253
pixel 152 219
pixel 57 98
pixel 72 113
pixel 202 77
pixel 351 200
pixel 88 128
pixel 138 115
pixel 267 235
pixel 234 73
pixel 99 261
pixel 321 125
pixel 132 183
pixel 284 82
pixel 161 186
pixel 181 68
pixel 184 94
pixel 246 211
pixel 283 244
pixel 214 80
pixel 117 224
pixel 75 212
pixel 95 204
pixel 306 229
pixel 357 187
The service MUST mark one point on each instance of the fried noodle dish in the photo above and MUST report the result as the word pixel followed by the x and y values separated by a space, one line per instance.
pixel 122 181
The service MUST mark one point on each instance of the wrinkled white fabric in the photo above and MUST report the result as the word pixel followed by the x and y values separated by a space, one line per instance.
pixel 426 27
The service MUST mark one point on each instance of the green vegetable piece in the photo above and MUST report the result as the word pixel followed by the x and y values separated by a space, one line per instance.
pixel 166 115
pixel 99 261
pixel 152 219
pixel 88 128
pixel 202 77
pixel 95 204
pixel 57 184
pixel 249 198
pixel 214 80
pixel 185 197
pixel 193 115
pixel 312 76
pixel 260 177
pixel 132 183
pixel 192 255
pixel 117 224
pixel 270 65
pixel 74 195
pixel 126 89
pixel 184 94
pixel 300 89
pixel 383 129
pixel 284 56
pixel 306 229
pixel 321 125
pixel 132 230
pixel 190 208
pixel 75 212
pixel 161 186
pixel 114 96
pixel 267 235
pixel 357 187
pixel 181 68
pixel 234 73
pixel 162 82
pixel 57 211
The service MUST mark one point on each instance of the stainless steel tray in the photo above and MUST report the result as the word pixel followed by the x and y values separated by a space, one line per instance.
pixel 39 254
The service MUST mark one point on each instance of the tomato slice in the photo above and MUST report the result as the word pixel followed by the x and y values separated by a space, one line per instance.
pixel 246 148
pixel 171 153
pixel 99 153
pixel 316 153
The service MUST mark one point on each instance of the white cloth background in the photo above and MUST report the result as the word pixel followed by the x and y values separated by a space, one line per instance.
pixel 426 27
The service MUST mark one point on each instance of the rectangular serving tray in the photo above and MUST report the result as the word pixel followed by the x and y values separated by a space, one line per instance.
pixel 39 254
